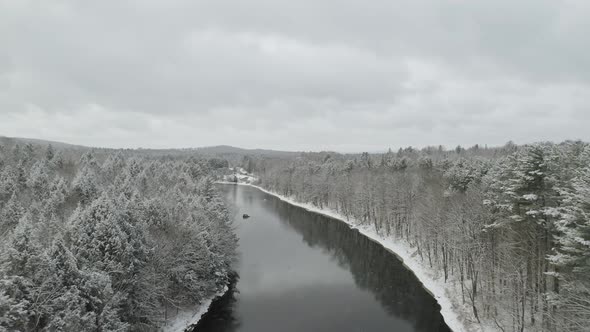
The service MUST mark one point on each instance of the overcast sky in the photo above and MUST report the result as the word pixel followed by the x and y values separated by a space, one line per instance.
pixel 296 75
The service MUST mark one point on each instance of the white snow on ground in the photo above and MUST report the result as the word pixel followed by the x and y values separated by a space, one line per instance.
pixel 241 175
pixel 455 316
pixel 187 317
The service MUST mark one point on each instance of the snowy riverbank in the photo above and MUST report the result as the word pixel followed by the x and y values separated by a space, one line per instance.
pixel 188 318
pixel 455 316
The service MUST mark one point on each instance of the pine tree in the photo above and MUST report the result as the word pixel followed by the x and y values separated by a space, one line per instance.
pixel 8 182
pixel 85 300
pixel 22 266
pixel 106 237
pixel 572 255
pixel 10 214
pixel 15 302
pixel 58 160
pixel 38 179
pixel 49 153
pixel 84 185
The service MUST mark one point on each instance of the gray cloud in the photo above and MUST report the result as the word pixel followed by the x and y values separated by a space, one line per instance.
pixel 344 75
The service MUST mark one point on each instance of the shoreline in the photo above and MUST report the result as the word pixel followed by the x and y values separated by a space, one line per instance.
pixel 403 252
pixel 188 318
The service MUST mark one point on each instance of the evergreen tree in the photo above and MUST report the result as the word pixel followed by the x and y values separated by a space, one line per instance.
pixel 85 185
pixel 572 256
pixel 11 214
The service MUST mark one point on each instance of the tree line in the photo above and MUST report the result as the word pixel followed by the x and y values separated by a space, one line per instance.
pixel 107 240
pixel 507 228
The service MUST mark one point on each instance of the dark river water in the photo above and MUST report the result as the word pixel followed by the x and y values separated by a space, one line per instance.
pixel 300 271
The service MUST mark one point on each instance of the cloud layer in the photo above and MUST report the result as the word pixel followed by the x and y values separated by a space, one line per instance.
pixel 297 75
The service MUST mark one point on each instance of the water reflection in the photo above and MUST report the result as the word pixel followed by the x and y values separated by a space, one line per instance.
pixel 373 268
pixel 221 315
pixel 304 272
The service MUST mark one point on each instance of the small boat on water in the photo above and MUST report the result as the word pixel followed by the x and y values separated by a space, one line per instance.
pixel 245 216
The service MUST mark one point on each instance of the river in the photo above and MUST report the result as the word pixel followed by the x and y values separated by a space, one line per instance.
pixel 300 271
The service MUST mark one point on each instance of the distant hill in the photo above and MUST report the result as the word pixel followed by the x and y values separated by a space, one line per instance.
pixel 24 140
pixel 218 150
pixel 227 149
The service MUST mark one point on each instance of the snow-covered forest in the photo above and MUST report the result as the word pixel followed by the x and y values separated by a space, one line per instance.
pixel 508 229
pixel 107 240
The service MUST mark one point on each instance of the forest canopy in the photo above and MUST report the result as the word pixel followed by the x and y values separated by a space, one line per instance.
pixel 107 240
pixel 507 227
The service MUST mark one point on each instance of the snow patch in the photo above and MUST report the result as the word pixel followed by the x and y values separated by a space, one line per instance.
pixel 239 175
pixel 530 197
